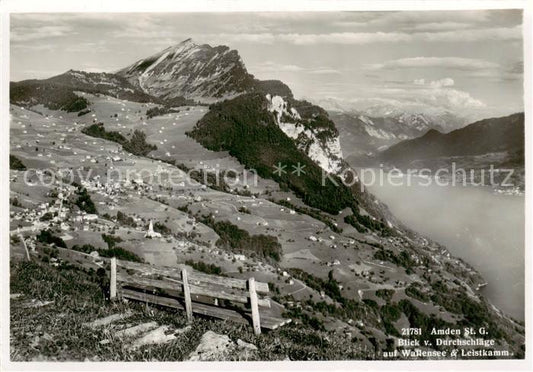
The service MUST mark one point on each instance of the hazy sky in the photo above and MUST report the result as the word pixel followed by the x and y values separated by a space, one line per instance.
pixel 465 61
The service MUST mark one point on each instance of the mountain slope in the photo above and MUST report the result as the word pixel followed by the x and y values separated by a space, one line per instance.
pixel 254 128
pixel 258 122
pixel 247 128
pixel 198 72
pixel 482 137
pixel 58 92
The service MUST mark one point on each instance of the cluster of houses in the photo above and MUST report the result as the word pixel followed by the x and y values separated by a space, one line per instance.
pixel 57 214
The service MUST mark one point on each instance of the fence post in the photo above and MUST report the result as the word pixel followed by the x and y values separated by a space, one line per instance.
pixel 187 294
pixel 25 246
pixel 255 307
pixel 113 280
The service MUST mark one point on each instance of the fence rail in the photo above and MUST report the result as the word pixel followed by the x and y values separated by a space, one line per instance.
pixel 184 288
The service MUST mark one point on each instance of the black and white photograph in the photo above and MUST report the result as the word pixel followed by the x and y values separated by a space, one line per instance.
pixel 258 186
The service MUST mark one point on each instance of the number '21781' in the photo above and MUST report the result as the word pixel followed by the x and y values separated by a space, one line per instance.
pixel 411 331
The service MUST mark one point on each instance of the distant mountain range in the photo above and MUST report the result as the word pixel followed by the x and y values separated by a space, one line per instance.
pixel 505 134
pixel 496 143
pixel 408 116
pixel 363 136
pixel 366 131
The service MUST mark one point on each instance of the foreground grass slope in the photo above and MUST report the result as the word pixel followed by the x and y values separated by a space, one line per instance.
pixel 56 331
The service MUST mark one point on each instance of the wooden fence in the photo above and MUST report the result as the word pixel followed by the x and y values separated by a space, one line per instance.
pixel 182 287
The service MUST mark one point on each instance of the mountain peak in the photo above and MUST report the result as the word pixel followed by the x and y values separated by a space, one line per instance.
pixel 183 45
pixel 198 72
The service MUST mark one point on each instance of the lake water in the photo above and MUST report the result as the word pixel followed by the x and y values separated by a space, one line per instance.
pixel 485 229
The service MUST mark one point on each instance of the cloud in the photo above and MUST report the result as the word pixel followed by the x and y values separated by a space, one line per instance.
pixel 411 17
pixel 452 99
pixel 440 62
pixel 34 47
pixel 357 38
pixel 24 34
pixel 502 33
pixel 347 38
pixel 423 95
pixel 475 68
pixel 438 93
pixel 324 71
pixel 517 68
pixel 273 67
pixel 291 28
pixel 406 19
pixel 421 101
pixel 344 38
pixel 438 26
pixel 269 66
pixel 41 73
pixel 446 82
pixel 444 98
pixel 29 27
